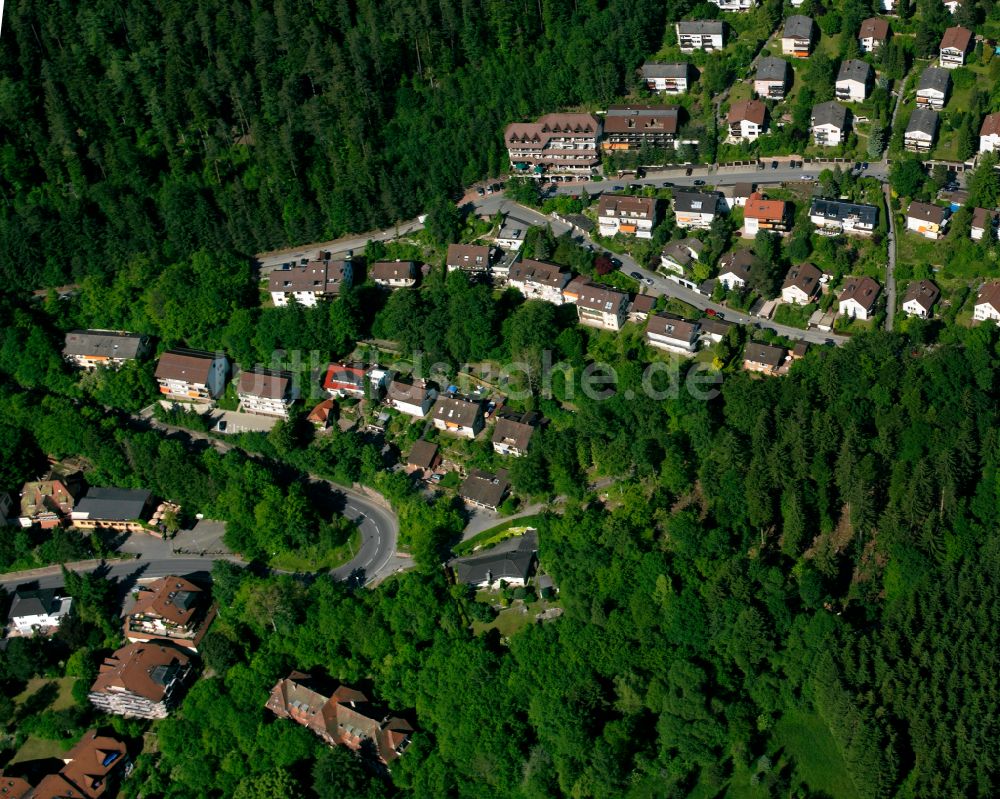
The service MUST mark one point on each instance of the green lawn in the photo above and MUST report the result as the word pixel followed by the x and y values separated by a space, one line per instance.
pixel 311 560
pixel 515 618
pixel 494 535
pixel 794 315
pixel 62 701
pixel 806 739
pixel 38 749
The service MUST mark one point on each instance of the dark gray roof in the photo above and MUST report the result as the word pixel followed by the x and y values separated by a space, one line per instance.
pixel 830 113
pixel 700 26
pixel 114 504
pixel 772 68
pixel 34 603
pixel 923 120
pixel 853 69
pixel 103 344
pixel 702 201
pixel 797 27
pixel 764 353
pixel 936 78
pixel 651 70
pixel 484 488
pixel 505 562
pixel 839 210
pixel 422 454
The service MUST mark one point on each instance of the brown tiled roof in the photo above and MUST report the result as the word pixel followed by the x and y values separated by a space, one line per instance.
pixel 750 110
pixel 538 272
pixel 321 413
pixel 485 488
pixel 56 786
pixel 598 298
pixel 863 290
pixel 643 303
pixel 924 292
pixel 422 454
pixel 392 270
pixel 537 134
pixel 172 598
pixel 142 669
pixel 102 344
pixel 641 119
pixel 957 37
pixel 983 218
pixel 514 432
pixel 188 365
pixel 465 256
pixel 91 761
pixel 765 354
pixel 407 392
pixel 739 263
pixel 990 294
pixel 991 125
pixel 46 496
pixel 874 28
pixel 264 383
pixel 13 787
pixel 757 207
pixel 926 212
pixel 671 326
pixel 459 411
pixel 803 276
pixel 626 207
pixel 324 277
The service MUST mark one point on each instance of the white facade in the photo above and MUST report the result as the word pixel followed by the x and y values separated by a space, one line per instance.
pixel 688 42
pixel 793 295
pixel 640 227
pixel 851 91
pixel 682 345
pixel 267 406
pixel 852 308
pixel 914 308
pixel 732 280
pixel 918 141
pixel 190 390
pixel 989 143
pixel 734 5
pixel 986 312
pixel 827 135
pixel 42 622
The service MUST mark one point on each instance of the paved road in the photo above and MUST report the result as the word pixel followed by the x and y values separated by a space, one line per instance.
pixel 123 571
pixel 890 268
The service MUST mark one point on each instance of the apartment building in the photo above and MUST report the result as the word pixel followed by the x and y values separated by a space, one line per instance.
pixel 393 274
pixel 873 34
pixel 832 217
pixel 192 375
pixel 557 144
pixel 746 120
pixel 630 216
pixel 772 78
pixel 513 433
pixel 309 283
pixel 458 416
pixel 921 130
pixel 695 209
pixel 474 259
pixel 143 680
pixel 797 36
pixel 267 392
pixel 597 306
pixel 538 280
pixel 632 127
pixel 933 88
pixel 672 78
pixel 672 333
pixel 854 81
pixel 759 213
pixel 88 349
pixel 705 35
pixel 830 124
pixel 170 609
pixel 956 44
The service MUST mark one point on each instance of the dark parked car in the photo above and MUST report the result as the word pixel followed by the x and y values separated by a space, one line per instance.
pixel 688 171
pixel 699 182
pixel 774 165
pixel 636 275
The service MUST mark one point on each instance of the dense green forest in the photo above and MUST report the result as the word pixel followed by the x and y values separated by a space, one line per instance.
pixel 131 128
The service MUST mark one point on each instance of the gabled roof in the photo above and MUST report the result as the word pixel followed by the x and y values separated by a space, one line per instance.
pixel 681 250
pixel 56 786
pixel 923 120
pixel 935 79
pixel 113 504
pixel 458 411
pixel 983 218
pixel 265 383
pixel 422 454
pixel 863 290
pixel 626 207
pixel 465 256
pixel 957 38
pixel 749 111
pixel 839 210
pixel 321 413
pixel 989 294
pixel 174 599
pixel 146 670
pixel 764 354
pixel 508 561
pixel 641 119
pixel 803 276
pixel 13 787
pixel 705 202
pixel 854 69
pixel 538 134
pixel 991 125
pixel 771 68
pixel 91 761
pixel 739 263
pixel 600 298
pixel 923 292
pixel 926 212
pixel 103 344
pixel 705 27
pixel 410 393
pixel 392 270
pixel 874 28
pixel 39 602
pixel 758 207
pixel 797 27
pixel 830 113
pixel 341 375
pixel 529 270
pixel 670 326
pixel 321 277
pixel 514 431
pixel 485 488
pixel 190 366
pixel 651 70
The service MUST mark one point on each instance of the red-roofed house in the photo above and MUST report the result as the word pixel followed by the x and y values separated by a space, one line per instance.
pixel 345 381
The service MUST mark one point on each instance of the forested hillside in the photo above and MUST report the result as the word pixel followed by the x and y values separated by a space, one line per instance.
pixel 161 128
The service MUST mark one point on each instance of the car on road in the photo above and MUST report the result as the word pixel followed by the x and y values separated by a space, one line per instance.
pixel 710 312
pixel 689 171
pixel 480 191
pixel 774 165
pixel 617 188
pixel 648 281
pixel 636 275
pixel 221 426
pixel 699 182
pixel 864 166
pixel 667 184
pixel 805 177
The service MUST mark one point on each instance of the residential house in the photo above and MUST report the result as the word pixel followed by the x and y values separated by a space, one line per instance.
pixel 37 611
pixel 142 680
pixel 920 298
pixel 630 216
pixel 393 274
pixel 511 562
pixel 858 297
pixel 171 609
pixel 714 330
pixel 830 124
pixel 926 219
pixel 832 217
pixel 632 127
pixel 597 306
pixel 309 283
pixel 736 196
pixel 512 233
pixel 344 718
pixel 799 350
pixel 984 224
pixel 266 392
pixel 734 5
pixel 557 144
pixel 191 375
pixel 763 358
pixel 921 130
pixel 801 284
pixel 414 399
pixel 773 78
pixel 485 490
pixel 735 268
pixel 91 348
pixel 888 6
pixel 641 307
pixel 538 280
pixel 666 331
pixel 458 417
pixel 424 456
pixel 472 258
pixel 124 510
pixel 760 213
pixel 854 81
pixel 989 134
pixel 701 34
pixel 874 33
pixel 512 433
pixel 696 209
pixel 667 78
pixel 342 380
pixel 678 255
pixel 322 414
pixel 746 120
pixel 956 44
pixel 93 769
pixel 13 787
pixel 987 307
pixel 47 503
pixel 797 36
pixel 933 88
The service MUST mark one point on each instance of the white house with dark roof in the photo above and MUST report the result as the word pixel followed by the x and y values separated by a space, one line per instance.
pixel 830 124
pixel 557 144
pixel 858 297
pixel 956 44
pixel 393 274
pixel 458 416
pixel 984 224
pixel 873 34
pixel 746 120
pixel 763 358
pixel 801 284
pixel 989 134
pixel 832 217
pixel 309 283
pixel 926 219
pixel 921 130
pixel 474 259
pixel 678 255
pixel 734 5
pixel 987 307
pixel 735 268
pixel 266 391
pixel 629 216
pixel 920 298
pixel 854 81
pixel 933 88
pixel 797 36
pixel 92 348
pixel 597 306
pixel 702 34
pixel 668 332
pixel 772 78
pixel 191 375
pixel 538 280
pixel 695 209
pixel 38 611
pixel 667 78
pixel 413 399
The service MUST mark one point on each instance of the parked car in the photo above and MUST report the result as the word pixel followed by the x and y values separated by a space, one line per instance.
pixel 760 165
pixel 648 281
pixel 667 184
pixel 864 165
pixel 710 312
pixel 689 171
pixel 489 189
pixel 479 191
pixel 636 275
pixel 699 182
pixel 617 188
pixel 221 426
pixel 774 165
